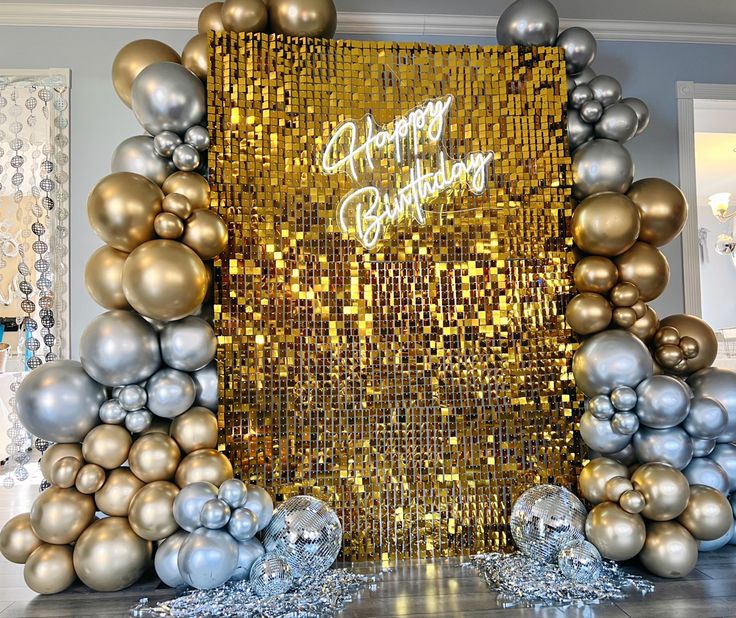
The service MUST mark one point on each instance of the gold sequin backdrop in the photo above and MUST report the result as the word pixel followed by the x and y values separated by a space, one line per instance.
pixel 421 386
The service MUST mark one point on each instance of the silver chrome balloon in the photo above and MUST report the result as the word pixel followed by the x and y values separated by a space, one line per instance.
pixel 170 392
pixel 707 418
pixel 601 165
pixel 580 48
pixel 579 95
pixel 584 77
pixel 234 492
pixel 601 407
pixel 705 471
pixel 663 401
pixel 112 413
pixel 243 524
pixel 259 501
pixel 189 502
pixel 626 456
pixel 601 436
pixel 207 558
pixel 718 384
pixel 623 398
pixel 641 110
pixel 702 447
pixel 618 122
pixel 725 456
pixel 137 155
pixel 186 158
pixel 206 380
pixel 670 446
pixel 168 97
pixel 215 514
pixel 625 423
pixel 119 348
pixel 166 559
pixel 528 22
pixel 59 402
pixel 591 111
pixel 188 344
pixel 198 136
pixel 165 143
pixel 578 132
pixel 138 421
pixel 606 89
pixel 706 546
pixel 248 552
pixel 132 397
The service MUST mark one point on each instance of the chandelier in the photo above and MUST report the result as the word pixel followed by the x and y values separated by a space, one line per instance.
pixel 719 205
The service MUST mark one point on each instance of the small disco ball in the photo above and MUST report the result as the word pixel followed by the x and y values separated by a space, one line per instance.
pixel 271 575
pixel 580 561
pixel 544 519
pixel 307 533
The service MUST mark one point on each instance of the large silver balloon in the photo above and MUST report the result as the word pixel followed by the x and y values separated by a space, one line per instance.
pixel 606 89
pixel 248 552
pixel 578 131
pixel 243 524
pixel 705 471
pixel 188 344
pixel 189 502
pixel 641 110
pixel 609 359
pixel 170 392
pixel 706 546
pixel 234 492
pixel 707 418
pixel 671 446
pixel 584 77
pixel 205 380
pixel 119 348
pixel 259 501
pixel 601 165
pixel 718 384
pixel 662 401
pixel 702 447
pixel 168 97
pixel 601 436
pixel 207 558
pixel 528 22
pixel 580 48
pixel 167 555
pixel 137 155
pixel 725 456
pixel 59 402
pixel 618 122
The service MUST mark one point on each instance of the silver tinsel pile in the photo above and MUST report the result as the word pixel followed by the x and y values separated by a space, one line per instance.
pixel 317 597
pixel 521 581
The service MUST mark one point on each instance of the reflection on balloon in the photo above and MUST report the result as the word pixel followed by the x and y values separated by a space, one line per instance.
pixel 206 381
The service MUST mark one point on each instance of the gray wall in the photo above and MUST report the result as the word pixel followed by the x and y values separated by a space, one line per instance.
pixel 100 121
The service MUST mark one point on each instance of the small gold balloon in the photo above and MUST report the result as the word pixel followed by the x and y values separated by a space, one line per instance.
pixel 115 495
pixel 17 539
pixel 632 501
pixel 690 347
pixel 665 490
pixel 195 429
pixel 646 267
pixel 669 356
pixel 310 18
pixel 206 232
pixel 625 317
pixel 708 514
pixel 596 474
pixel 50 569
pixel 204 465
pixel 694 328
pixel 59 515
pixel 168 225
pixel 640 309
pixel 121 209
pixel 154 457
pixel 667 335
pixel 107 446
pixel 90 479
pixel 662 208
pixel 178 205
pixel 152 511
pixel 191 185
pixel 210 19
pixel 595 274
pixel 605 224
pixel 103 277
pixel 135 57
pixel 617 535
pixel 109 556
pixel 645 327
pixel 617 486
pixel 244 15
pixel 64 473
pixel 624 295
pixel 164 280
pixel 670 550
pixel 54 453
pixel 195 55
pixel 588 313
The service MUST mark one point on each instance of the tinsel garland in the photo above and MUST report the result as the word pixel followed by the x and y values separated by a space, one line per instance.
pixel 523 582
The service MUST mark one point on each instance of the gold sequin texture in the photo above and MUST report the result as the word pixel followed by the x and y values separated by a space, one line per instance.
pixel 421 386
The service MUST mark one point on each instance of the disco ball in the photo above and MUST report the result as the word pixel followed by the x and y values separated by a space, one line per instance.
pixel 307 533
pixel 580 561
pixel 270 575
pixel 545 518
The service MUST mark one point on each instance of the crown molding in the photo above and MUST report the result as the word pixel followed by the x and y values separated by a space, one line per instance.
pixel 353 24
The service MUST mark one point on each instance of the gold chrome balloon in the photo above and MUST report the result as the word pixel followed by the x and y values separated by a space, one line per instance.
pixel 605 224
pixel 596 474
pixel 115 495
pixel 588 313
pixel 90 479
pixel 645 327
pixel 640 309
pixel 625 317
pixel 667 335
pixel 168 225
pixel 154 457
pixel 195 429
pixel 50 569
pixel 595 274
pixel 64 473
pixel 663 210
pixel 617 487
pixel 103 277
pixel 159 425
pixel 669 356
pixel 54 453
pixel 665 490
pixel 191 185
pixel 135 57
pixel 177 204
pixel 195 55
pixel 206 233
pixel 107 446
pixel 17 539
pixel 618 535
pixel 632 501
pixel 109 556
pixel 708 515
pixel 244 15
pixel 646 267
pixel 152 511
pixel 698 330
pixel 210 18
pixel 204 465
pixel 165 280
pixel 690 347
pixel 624 295
pixel 121 209
pixel 311 18
pixel 59 515
pixel 670 550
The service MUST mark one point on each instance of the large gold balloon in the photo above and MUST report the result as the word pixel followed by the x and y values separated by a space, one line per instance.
pixel 115 495
pixel 588 313
pixel 64 473
pixel 17 539
pixel 204 465
pixel 594 477
pixel 195 429
pixel 195 55
pixel 154 457
pixel 605 224
pixel 121 209
pixel 618 535
pixel 665 490
pixel 103 277
pixel 697 329
pixel 192 186
pixel 708 515
pixel 670 550
pixel 90 479
pixel 646 327
pixel 165 280
pixel 311 18
pixel 135 57
pixel 646 267
pixel 50 569
pixel 152 511
pixel 210 18
pixel 59 515
pixel 54 453
pixel 109 556
pixel 663 210
pixel 107 446
pixel 206 233
pixel 595 274
pixel 244 15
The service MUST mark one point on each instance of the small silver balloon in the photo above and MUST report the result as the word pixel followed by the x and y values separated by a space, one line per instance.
pixel 578 132
pixel 205 381
pixel 606 89
pixel 259 501
pixel 623 398
pixel 528 22
pixel 618 122
pixel 702 447
pixel 170 392
pixel 138 156
pixel 625 423
pixel 186 158
pixel 248 552
pixel 214 514
pixel 207 558
pixel 705 471
pixel 166 559
pixel 591 111
pixel 663 401
pixel 271 575
pixel 670 446
pixel 198 136
pixel 579 95
pixel 580 561
pixel 112 413
pixel 243 524
pixel 718 384
pixel 165 143
pixel 722 541
pixel 584 77
pixel 234 492
pixel 601 407
pixel 132 397
pixel 641 110
pixel 189 344
pixel 189 502
pixel 138 421
pixel 580 48
pixel 707 418
pixel 725 456
pixel 601 165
